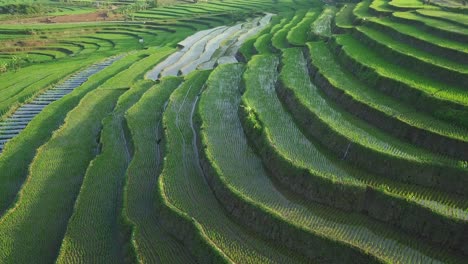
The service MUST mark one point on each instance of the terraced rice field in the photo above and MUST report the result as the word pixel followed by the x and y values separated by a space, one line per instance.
pixel 235 131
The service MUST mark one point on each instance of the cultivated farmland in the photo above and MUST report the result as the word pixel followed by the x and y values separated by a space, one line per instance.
pixel 234 131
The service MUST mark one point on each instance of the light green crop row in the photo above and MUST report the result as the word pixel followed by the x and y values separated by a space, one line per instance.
pixel 311 158
pixel 17 89
pixel 302 32
pixel 361 10
pixel 286 139
pixel 456 18
pixel 411 51
pixel 93 230
pixel 450 206
pixel 94 227
pixel 322 26
pixel 414 32
pixel 185 188
pixel 150 241
pixel 262 43
pixel 381 6
pixel 20 151
pixel 430 86
pixel 360 133
pixel 53 183
pixel 410 4
pixel 144 61
pixel 432 23
pixel 323 59
pixel 344 18
pixel 279 39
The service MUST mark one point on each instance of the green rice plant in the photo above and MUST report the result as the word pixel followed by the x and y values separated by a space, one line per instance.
pixel 183 189
pixel 247 50
pixel 310 172
pixel 301 33
pixel 378 147
pixel 94 229
pixel 431 87
pixel 104 44
pixel 20 151
pixel 16 89
pixel 381 6
pixel 262 41
pixel 263 44
pixel 149 239
pixel 279 39
pixel 451 17
pixel 361 10
pixel 88 47
pixel 414 32
pixel 282 137
pixel 417 55
pixel 197 8
pixel 410 4
pixel 344 18
pixel 405 118
pixel 144 61
pixel 298 78
pixel 323 24
pixel 250 186
pixel 443 28
pixel 53 183
pixel 455 6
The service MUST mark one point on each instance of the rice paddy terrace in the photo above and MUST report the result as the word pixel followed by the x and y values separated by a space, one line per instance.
pixel 236 131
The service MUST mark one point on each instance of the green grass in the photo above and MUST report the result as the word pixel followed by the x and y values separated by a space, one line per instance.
pixel 53 183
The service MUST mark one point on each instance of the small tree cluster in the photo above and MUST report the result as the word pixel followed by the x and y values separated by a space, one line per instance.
pixel 13 64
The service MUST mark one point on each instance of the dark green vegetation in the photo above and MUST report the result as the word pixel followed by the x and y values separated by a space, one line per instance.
pixel 235 131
